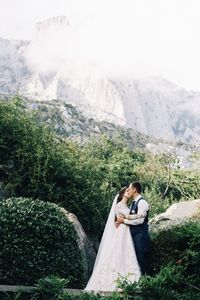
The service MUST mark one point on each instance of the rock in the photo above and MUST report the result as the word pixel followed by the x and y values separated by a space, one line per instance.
pixel 1 190
pixel 89 253
pixel 94 240
pixel 176 214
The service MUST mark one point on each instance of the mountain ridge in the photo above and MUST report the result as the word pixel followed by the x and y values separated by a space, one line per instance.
pixel 40 69
pixel 69 122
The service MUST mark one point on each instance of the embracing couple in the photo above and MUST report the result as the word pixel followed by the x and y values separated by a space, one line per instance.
pixel 125 244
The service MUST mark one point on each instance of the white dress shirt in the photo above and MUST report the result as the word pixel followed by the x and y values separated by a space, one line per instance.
pixel 138 218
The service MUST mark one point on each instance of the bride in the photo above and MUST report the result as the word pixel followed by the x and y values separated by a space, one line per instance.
pixel 116 255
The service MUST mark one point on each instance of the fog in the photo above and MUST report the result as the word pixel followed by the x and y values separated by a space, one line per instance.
pixel 129 38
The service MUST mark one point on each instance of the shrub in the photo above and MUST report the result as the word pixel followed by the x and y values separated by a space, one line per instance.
pixel 180 245
pixel 176 261
pixel 37 240
pixel 50 287
pixel 169 284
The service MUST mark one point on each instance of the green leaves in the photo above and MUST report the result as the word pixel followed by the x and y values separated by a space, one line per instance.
pixel 51 287
pixel 36 163
pixel 176 259
pixel 37 240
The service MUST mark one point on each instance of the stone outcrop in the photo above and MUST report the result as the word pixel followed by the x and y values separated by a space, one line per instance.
pixel 177 213
pixel 89 253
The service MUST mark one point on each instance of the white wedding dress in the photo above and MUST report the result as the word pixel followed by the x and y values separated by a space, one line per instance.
pixel 116 255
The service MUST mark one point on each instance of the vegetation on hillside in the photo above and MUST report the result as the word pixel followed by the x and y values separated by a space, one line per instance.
pixel 36 163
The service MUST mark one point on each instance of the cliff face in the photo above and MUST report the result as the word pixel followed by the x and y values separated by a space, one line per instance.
pixel 46 68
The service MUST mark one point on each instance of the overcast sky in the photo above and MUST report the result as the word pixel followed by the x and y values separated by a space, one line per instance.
pixel 144 37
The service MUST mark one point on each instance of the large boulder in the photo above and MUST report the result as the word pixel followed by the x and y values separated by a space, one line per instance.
pixel 89 253
pixel 176 214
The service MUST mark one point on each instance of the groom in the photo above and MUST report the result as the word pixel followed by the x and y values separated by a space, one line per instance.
pixel 138 222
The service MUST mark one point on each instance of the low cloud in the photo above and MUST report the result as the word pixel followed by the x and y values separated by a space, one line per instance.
pixel 124 39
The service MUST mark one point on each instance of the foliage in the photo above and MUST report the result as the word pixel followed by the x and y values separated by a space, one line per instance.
pixel 50 287
pixel 176 253
pixel 180 245
pixel 36 163
pixel 37 240
pixel 176 257
pixel 170 283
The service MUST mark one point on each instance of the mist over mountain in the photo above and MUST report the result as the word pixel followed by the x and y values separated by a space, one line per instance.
pixel 52 66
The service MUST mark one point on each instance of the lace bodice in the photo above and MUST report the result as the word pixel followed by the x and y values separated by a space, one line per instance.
pixel 121 209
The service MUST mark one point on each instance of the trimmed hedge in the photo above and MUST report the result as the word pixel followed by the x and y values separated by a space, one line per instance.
pixel 37 240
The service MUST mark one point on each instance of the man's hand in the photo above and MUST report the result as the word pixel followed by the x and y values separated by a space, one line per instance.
pixel 120 220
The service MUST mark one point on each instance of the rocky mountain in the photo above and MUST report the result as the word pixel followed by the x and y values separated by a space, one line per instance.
pixel 46 68
pixel 69 122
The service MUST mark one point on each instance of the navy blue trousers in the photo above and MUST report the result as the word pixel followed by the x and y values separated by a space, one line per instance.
pixel 142 244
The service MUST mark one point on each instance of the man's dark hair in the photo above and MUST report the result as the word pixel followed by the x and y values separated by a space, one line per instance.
pixel 137 186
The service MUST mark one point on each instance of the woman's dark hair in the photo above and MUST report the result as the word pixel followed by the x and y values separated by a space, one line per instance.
pixel 121 194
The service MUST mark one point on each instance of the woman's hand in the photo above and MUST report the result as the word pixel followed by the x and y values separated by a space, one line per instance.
pixel 117 224
pixel 120 220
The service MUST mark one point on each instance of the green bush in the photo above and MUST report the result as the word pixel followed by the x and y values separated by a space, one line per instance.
pixel 50 287
pixel 37 240
pixel 34 162
pixel 169 284
pixel 176 261
pixel 180 245
pixel 60 296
